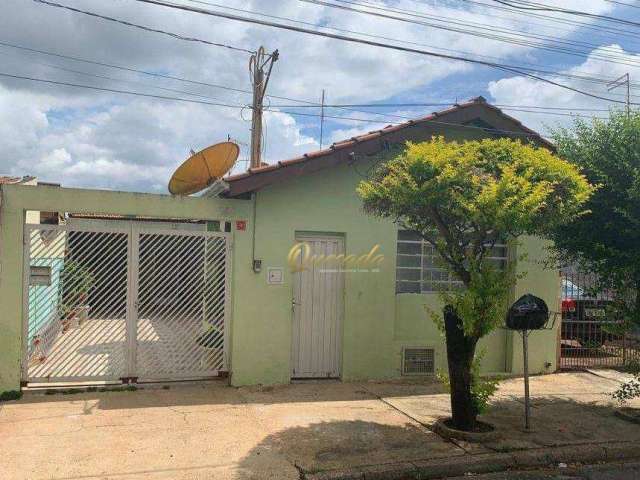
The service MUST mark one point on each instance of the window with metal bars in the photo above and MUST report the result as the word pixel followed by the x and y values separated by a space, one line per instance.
pixel 420 269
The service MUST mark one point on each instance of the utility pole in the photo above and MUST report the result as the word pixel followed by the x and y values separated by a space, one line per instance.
pixel 619 82
pixel 321 118
pixel 258 63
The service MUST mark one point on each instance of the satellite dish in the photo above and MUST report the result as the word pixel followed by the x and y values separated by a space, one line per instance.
pixel 202 169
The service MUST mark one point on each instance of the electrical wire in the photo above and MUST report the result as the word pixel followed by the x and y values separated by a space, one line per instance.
pixel 503 67
pixel 350 107
pixel 181 79
pixel 438 104
pixel 120 80
pixel 143 27
pixel 540 42
pixel 226 105
pixel 622 4
pixel 490 28
pixel 559 74
pixel 526 5
pixel 547 18
pixel 524 66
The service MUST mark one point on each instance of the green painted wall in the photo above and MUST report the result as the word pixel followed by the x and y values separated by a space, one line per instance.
pixel 16 200
pixel 377 322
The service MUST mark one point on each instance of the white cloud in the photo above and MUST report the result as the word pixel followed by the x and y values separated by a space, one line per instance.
pixel 526 91
pixel 87 138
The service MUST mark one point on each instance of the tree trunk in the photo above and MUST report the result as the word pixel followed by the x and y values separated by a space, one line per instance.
pixel 460 353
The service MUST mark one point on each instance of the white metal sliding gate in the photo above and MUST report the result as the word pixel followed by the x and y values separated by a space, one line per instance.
pixel 131 302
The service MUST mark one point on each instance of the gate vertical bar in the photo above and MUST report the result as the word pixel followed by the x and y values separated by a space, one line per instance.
pixel 133 256
pixel 227 301
pixel 26 269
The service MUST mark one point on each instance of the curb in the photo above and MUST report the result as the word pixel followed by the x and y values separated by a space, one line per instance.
pixel 485 463
pixel 622 413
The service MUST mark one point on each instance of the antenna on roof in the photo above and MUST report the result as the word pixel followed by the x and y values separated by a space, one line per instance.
pixel 321 118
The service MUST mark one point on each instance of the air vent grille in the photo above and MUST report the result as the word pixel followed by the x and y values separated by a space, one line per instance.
pixel 418 361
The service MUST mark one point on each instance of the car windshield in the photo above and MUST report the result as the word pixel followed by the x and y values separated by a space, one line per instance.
pixel 571 291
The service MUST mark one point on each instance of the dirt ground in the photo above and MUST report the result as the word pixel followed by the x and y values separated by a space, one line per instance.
pixel 211 431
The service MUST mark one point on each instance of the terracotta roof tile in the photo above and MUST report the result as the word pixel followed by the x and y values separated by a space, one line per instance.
pixel 379 133
pixel 7 179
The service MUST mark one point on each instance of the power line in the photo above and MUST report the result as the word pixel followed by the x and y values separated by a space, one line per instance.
pixel 492 28
pixel 226 105
pixel 622 4
pixel 479 30
pixel 346 38
pixel 142 27
pixel 525 5
pixel 121 80
pixel 306 104
pixel 172 77
pixel 438 104
pixel 601 29
pixel 575 76
pixel 578 77
pixel 562 21
pixel 186 100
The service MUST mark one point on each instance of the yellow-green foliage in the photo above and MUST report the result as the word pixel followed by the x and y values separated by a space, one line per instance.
pixel 499 184
pixel 465 197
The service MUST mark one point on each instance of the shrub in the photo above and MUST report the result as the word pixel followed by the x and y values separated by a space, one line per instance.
pixel 482 388
pixel 10 395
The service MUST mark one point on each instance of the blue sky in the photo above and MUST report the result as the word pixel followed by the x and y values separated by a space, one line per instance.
pixel 98 139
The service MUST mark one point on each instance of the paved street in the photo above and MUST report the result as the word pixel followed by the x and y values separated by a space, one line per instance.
pixel 630 471
pixel 212 431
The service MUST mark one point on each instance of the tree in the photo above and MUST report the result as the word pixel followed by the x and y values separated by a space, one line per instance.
pixel 462 198
pixel 606 241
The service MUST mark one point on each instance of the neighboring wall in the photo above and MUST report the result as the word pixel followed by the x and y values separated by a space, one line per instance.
pixel 16 200
pixel 377 322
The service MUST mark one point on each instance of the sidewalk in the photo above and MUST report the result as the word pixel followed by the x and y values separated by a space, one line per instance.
pixel 318 430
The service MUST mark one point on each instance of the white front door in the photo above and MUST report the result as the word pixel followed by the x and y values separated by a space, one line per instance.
pixel 318 294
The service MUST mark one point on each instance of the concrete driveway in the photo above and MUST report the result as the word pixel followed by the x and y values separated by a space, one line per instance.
pixel 211 431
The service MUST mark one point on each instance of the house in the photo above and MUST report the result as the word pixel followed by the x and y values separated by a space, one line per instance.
pixel 255 294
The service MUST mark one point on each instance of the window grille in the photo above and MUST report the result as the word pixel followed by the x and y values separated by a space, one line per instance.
pixel 420 269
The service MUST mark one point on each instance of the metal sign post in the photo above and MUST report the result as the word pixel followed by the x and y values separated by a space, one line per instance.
pixel 525 357
pixel 526 314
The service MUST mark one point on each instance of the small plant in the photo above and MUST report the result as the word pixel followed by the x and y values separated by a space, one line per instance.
pixel 10 395
pixel 482 388
pixel 628 390
pixel 633 366
pixel 76 280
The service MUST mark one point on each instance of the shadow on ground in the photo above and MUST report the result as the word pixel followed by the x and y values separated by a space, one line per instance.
pixel 215 431
pixel 221 394
pixel 344 444
pixel 556 421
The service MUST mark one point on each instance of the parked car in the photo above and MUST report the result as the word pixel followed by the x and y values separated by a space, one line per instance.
pixel 584 316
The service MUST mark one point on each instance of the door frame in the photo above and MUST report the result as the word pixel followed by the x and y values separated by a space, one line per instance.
pixel 301 237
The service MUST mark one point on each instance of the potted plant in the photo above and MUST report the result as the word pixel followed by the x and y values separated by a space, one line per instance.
pixel 76 280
